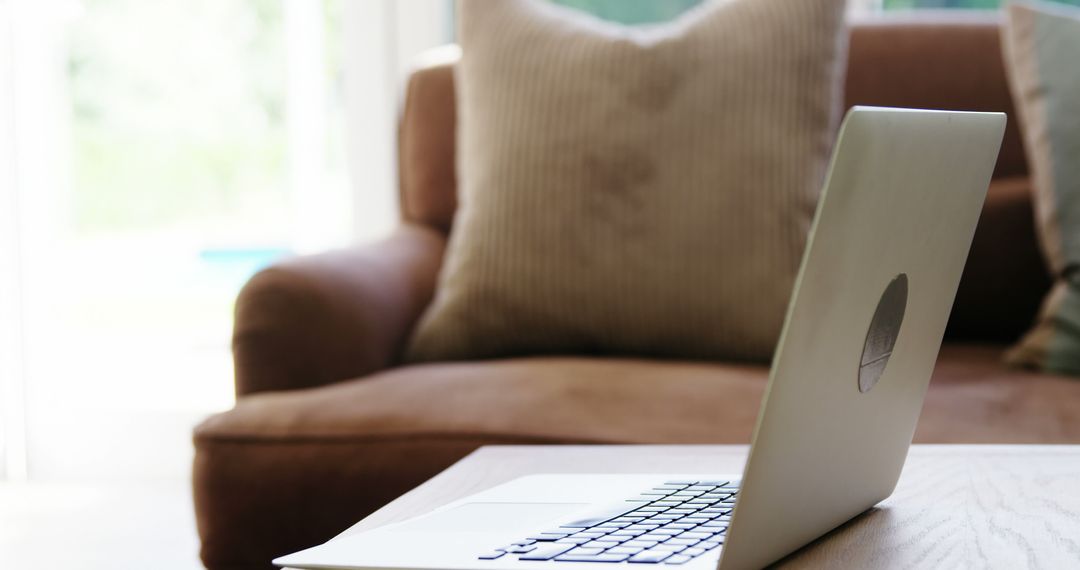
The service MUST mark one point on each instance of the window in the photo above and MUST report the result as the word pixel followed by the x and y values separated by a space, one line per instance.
pixel 153 155
pixel 161 185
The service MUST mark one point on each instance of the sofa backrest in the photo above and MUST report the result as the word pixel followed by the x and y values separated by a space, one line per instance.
pixel 923 60
pixel 935 61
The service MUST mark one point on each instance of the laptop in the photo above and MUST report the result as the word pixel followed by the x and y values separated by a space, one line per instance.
pixel 864 325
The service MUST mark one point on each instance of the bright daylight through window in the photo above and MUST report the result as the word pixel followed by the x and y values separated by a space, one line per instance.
pixel 153 155
pixel 156 155
pixel 169 186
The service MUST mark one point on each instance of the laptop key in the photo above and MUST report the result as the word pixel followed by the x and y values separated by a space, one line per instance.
pixel 677 559
pixel 585 551
pixel 668 530
pixel 697 535
pixel 643 543
pixel 654 537
pixel 589 534
pixel 547 551
pixel 492 555
pixel 519 549
pixel 631 530
pixel 650 556
pixel 604 557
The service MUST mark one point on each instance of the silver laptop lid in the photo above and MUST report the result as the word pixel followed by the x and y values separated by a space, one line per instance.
pixel 864 325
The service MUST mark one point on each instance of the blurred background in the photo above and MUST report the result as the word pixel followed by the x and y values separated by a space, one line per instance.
pixel 153 155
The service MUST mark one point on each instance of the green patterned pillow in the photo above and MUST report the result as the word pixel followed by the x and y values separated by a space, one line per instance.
pixel 1042 53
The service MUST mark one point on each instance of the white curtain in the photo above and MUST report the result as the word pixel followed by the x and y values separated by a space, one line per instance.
pixel 33 164
pixel 399 30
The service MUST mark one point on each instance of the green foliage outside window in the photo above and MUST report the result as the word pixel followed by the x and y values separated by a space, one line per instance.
pixel 177 110
pixel 632 11
pixel 646 11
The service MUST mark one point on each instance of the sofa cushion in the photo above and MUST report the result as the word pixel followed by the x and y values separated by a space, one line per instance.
pixel 294 468
pixel 328 456
pixel 605 400
pixel 544 400
pixel 975 398
pixel 628 190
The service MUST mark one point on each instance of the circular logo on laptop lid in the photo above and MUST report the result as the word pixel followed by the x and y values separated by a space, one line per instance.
pixel 884 328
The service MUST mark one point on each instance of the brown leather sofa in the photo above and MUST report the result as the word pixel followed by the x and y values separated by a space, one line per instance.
pixel 329 425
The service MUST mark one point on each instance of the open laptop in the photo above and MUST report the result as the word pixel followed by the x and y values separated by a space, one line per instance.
pixel 864 326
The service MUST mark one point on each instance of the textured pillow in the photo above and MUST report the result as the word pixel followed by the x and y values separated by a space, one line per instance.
pixel 634 190
pixel 1042 49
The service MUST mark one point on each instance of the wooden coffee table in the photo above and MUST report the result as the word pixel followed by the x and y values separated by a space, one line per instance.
pixel 1001 506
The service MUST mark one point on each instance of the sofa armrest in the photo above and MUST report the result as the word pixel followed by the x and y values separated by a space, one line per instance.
pixel 318 319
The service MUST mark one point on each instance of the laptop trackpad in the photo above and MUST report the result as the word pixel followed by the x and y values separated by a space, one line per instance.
pixel 488 517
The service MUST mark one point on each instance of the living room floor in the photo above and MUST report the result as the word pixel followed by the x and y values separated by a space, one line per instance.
pixel 91 526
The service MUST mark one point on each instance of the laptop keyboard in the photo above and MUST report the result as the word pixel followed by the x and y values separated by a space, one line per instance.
pixel 668 524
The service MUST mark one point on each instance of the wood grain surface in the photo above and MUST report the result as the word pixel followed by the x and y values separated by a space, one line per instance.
pixel 956 506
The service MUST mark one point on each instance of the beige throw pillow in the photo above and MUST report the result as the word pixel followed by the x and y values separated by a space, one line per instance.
pixel 634 190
